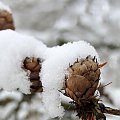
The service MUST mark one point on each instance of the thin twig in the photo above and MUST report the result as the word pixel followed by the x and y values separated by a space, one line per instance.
pixel 108 110
pixel 111 111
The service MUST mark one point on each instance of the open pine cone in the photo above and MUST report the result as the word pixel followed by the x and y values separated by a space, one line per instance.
pixel 83 79
pixel 81 84
pixel 33 65
pixel 6 20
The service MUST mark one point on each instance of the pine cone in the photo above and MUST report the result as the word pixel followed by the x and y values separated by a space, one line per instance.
pixel 83 79
pixel 80 85
pixel 6 20
pixel 34 66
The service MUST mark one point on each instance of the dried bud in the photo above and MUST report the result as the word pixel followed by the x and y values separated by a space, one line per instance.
pixel 6 20
pixel 34 66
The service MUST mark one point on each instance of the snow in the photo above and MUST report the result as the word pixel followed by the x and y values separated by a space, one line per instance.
pixel 4 7
pixel 11 95
pixel 7 110
pixel 14 48
pixel 114 94
pixel 24 111
pixel 54 69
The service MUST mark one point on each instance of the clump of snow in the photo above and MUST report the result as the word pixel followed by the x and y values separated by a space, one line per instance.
pixel 54 69
pixel 14 48
pixel 4 7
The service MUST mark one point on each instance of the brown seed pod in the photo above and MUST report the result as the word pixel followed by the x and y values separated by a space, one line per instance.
pixel 6 20
pixel 80 85
pixel 34 66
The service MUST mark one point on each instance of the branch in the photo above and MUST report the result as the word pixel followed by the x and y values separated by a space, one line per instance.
pixel 111 111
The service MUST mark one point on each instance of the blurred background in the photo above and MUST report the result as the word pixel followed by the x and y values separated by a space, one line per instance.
pixel 56 22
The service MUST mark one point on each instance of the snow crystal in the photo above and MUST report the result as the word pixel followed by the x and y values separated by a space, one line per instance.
pixel 4 7
pixel 54 69
pixel 14 48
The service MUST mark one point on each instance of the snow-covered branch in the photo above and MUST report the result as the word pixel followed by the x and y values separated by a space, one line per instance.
pixel 30 66
pixel 15 48
pixel 72 70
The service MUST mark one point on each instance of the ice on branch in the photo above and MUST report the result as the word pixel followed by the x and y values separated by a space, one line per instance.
pixel 4 7
pixel 54 69
pixel 14 48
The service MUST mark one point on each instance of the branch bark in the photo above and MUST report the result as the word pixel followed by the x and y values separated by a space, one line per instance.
pixel 111 111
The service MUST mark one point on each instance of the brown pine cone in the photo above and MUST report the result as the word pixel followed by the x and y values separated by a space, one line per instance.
pixel 33 65
pixel 83 79
pixel 6 20
pixel 80 85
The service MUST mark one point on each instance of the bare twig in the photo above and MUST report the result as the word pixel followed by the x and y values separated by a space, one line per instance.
pixel 111 111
